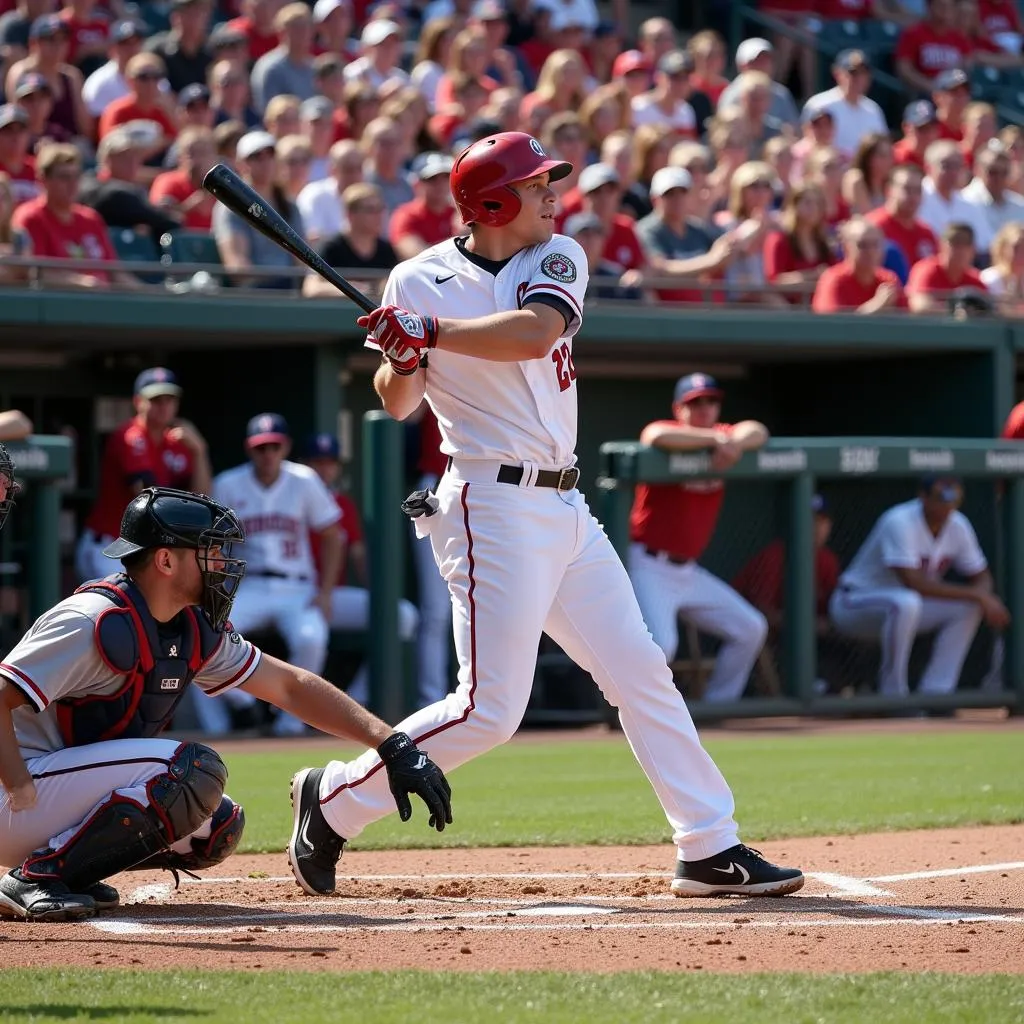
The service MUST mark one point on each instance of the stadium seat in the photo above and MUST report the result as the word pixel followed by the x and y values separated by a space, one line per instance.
pixel 987 83
pixel 840 35
pixel 192 247
pixel 135 247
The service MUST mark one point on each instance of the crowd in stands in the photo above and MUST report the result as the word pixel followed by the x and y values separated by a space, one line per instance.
pixel 698 175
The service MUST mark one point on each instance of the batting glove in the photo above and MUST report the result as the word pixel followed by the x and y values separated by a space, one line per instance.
pixel 411 771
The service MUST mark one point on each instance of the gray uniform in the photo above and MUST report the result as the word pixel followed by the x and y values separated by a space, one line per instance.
pixel 58 658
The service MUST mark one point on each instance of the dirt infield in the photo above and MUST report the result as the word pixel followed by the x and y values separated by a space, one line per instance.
pixel 949 900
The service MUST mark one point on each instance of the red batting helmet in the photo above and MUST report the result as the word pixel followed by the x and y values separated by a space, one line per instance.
pixel 482 175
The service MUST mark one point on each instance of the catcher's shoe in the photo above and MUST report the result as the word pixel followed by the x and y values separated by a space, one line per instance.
pixel 106 897
pixel 738 871
pixel 315 848
pixel 42 899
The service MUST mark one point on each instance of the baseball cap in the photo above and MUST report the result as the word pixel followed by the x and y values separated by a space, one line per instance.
pixel 31 83
pixel 596 175
pixel 316 108
pixel 815 112
pixel 433 165
pixel 11 113
pixel 951 488
pixel 629 61
pixel 252 143
pixel 606 29
pixel 669 178
pixel 696 385
pixel 266 428
pixel 157 381
pixel 117 141
pixel 323 9
pixel 676 62
pixel 919 113
pixel 581 222
pixel 194 93
pixel 488 10
pixel 751 49
pixel 851 60
pixel 124 30
pixel 47 26
pixel 321 446
pixel 951 78
pixel 224 35
pixel 819 506
pixel 375 32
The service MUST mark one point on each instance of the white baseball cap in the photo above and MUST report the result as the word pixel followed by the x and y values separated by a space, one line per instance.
pixel 669 178
pixel 323 9
pixel 596 175
pixel 375 32
pixel 252 143
pixel 750 49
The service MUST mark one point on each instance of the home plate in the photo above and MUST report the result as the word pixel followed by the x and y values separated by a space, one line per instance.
pixel 565 910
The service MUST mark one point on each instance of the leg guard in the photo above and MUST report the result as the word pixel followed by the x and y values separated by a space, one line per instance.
pixel 226 827
pixel 123 832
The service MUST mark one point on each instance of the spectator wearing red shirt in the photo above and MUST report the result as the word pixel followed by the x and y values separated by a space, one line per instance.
pixel 800 252
pixel 145 72
pixel 181 190
pixel 671 525
pixel 87 33
pixel 933 280
pixel 15 162
pixel 708 52
pixel 153 449
pixel 350 606
pixel 257 25
pixel 427 219
pixel 898 219
pixel 601 193
pixel 859 284
pixel 920 130
pixel 1000 21
pixel 931 46
pixel 987 52
pixel 633 69
pixel 951 92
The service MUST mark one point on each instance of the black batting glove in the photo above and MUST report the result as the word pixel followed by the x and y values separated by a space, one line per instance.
pixel 411 771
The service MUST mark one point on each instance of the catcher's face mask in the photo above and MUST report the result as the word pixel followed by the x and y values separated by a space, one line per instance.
pixel 222 570
pixel 8 486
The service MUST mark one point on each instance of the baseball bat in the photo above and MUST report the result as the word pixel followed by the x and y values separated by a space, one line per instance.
pixel 241 198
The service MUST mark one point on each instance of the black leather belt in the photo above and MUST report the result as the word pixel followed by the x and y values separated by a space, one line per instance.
pixel 560 479
pixel 268 574
pixel 665 556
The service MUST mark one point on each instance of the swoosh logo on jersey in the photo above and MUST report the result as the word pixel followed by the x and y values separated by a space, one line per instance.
pixel 733 869
pixel 441 280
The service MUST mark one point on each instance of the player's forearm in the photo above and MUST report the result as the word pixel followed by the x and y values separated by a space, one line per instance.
pixel 923 302
pixel 749 435
pixel 330 560
pixel 927 586
pixel 400 395
pixel 14 772
pixel 680 438
pixel 507 337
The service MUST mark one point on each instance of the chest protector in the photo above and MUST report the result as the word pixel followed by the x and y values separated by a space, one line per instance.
pixel 157 667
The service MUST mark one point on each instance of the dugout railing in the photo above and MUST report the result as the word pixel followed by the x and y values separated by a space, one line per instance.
pixel 861 477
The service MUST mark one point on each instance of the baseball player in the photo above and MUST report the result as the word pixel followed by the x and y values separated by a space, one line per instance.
pixel 671 525
pixel 87 787
pixel 510 532
pixel 279 502
pixel 152 449
pixel 350 606
pixel 895 588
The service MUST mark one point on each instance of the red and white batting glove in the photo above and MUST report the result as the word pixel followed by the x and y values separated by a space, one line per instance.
pixel 401 335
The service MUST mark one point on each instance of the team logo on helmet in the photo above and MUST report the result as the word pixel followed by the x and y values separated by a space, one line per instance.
pixel 559 267
pixel 411 324
pixel 537 147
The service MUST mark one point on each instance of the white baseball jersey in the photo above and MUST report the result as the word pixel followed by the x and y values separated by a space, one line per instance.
pixel 514 412
pixel 901 539
pixel 58 658
pixel 278 518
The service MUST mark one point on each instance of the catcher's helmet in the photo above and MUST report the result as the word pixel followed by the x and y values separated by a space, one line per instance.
pixel 482 175
pixel 162 517
pixel 10 485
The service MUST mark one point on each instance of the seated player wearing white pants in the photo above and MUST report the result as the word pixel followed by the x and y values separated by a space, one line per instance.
pixel 894 589
pixel 671 525
pixel 87 786
pixel 350 606
pixel 279 503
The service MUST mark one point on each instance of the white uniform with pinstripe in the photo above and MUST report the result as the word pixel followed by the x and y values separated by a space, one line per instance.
pixel 58 658
pixel 872 602
pixel 521 559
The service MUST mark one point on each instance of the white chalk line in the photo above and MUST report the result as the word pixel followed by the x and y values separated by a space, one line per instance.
pixel 973 869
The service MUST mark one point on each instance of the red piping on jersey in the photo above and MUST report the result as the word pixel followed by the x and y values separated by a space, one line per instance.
pixel 471 706
pixel 544 285
pixel 25 679
pixel 238 674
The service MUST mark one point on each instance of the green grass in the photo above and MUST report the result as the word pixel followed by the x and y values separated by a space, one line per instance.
pixel 34 997
pixel 577 792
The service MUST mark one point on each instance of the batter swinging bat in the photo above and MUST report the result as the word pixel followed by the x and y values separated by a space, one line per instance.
pixel 228 188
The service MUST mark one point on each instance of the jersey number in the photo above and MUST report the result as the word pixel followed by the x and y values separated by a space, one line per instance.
pixel 289 549
pixel 565 369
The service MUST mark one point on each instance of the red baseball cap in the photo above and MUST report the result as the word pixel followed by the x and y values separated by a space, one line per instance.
pixel 628 61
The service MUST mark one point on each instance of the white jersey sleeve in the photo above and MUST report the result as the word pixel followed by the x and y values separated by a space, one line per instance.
pixel 968 559
pixel 561 273
pixel 230 665
pixel 897 542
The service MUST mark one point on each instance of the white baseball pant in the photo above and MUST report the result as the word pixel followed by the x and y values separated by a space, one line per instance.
pixel 663 590
pixel 520 561
pixel 894 616
pixel 72 783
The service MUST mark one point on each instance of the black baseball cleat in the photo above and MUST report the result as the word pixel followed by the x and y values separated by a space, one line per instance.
pixel 738 871
pixel 44 899
pixel 315 848
pixel 106 897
